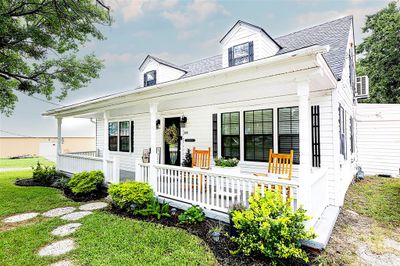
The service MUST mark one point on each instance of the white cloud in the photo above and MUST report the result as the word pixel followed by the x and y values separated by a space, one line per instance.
pixel 194 12
pixel 315 18
pixel 132 9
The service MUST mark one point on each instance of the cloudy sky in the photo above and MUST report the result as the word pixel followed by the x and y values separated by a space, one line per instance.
pixel 179 32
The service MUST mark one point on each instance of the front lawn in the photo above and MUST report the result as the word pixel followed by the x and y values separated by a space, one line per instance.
pixel 103 239
pixel 25 162
pixel 370 216
pixel 16 199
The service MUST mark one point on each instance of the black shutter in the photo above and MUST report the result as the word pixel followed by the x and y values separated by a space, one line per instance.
pixel 315 136
pixel 351 134
pixel 230 56
pixel 215 135
pixel 251 52
pixel 145 80
pixel 132 136
pixel 155 77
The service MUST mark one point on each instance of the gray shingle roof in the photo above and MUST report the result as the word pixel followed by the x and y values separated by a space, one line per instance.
pixel 334 33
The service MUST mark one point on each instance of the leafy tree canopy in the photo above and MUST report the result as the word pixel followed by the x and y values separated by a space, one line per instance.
pixel 380 55
pixel 39 40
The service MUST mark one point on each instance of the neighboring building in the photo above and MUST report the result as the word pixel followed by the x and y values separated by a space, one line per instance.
pixel 43 146
pixel 295 92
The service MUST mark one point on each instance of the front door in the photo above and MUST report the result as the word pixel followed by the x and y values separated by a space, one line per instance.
pixel 172 141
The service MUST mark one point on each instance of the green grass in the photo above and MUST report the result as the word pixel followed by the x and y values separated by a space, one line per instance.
pixel 26 162
pixel 376 197
pixel 103 239
pixel 16 199
pixel 106 239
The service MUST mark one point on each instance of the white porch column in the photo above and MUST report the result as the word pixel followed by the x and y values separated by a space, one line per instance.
pixel 105 144
pixel 153 154
pixel 303 91
pixel 59 142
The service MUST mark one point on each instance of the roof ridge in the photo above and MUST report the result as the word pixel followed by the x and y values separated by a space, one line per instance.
pixel 319 25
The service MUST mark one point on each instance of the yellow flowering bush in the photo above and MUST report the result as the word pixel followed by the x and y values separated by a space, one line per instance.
pixel 270 227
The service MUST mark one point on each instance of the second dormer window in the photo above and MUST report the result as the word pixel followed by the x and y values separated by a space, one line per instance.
pixel 150 78
pixel 240 54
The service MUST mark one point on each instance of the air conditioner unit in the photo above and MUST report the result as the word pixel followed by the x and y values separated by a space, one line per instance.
pixel 362 87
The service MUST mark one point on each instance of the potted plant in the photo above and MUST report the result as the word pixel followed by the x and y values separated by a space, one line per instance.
pixel 171 138
pixel 224 162
pixel 216 232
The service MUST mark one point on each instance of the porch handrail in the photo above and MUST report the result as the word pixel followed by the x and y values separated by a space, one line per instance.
pixel 84 153
pixel 81 156
pixel 264 179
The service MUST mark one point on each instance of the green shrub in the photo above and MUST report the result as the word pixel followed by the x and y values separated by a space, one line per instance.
pixel 131 195
pixel 44 174
pixel 193 215
pixel 154 208
pixel 226 162
pixel 270 227
pixel 86 182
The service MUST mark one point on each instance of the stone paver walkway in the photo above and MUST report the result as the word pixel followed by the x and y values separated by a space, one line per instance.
pixel 63 263
pixel 74 216
pixel 57 248
pixel 58 212
pixel 20 217
pixel 64 246
pixel 66 229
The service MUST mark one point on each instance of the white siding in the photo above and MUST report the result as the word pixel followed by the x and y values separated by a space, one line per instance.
pixel 163 73
pixel 263 45
pixel 344 168
pixel 378 138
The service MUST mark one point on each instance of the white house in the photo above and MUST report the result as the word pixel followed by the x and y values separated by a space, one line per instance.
pixel 290 92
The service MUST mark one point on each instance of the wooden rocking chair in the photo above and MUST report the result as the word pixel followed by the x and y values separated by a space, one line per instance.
pixel 281 165
pixel 201 159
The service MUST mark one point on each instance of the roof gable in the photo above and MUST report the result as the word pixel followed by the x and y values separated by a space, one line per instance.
pixel 241 23
pixel 160 61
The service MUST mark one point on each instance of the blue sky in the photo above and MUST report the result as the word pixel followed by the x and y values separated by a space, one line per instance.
pixel 179 32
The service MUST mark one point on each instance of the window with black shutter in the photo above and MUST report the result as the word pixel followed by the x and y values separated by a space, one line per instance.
pixel 124 136
pixel 315 136
pixel 352 149
pixel 150 78
pixel 241 53
pixel 113 136
pixel 288 131
pixel 215 135
pixel 258 134
pixel 230 135
pixel 342 131
pixel 132 136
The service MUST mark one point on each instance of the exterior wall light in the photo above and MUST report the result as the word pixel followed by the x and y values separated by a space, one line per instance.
pixel 158 123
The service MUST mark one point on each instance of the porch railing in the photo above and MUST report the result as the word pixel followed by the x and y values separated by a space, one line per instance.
pixel 84 153
pixel 73 163
pixel 211 190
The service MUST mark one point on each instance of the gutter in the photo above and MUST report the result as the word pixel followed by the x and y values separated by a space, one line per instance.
pixel 312 50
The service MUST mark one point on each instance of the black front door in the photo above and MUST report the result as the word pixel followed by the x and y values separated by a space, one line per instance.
pixel 172 151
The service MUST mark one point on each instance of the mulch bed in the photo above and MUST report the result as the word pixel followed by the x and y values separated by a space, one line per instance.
pixel 221 249
pixel 95 195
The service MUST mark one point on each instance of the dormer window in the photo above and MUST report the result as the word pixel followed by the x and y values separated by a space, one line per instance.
pixel 240 54
pixel 150 78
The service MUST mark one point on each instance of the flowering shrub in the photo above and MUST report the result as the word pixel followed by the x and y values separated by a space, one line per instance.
pixel 270 227
pixel 131 195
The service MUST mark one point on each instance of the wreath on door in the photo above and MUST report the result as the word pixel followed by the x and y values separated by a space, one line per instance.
pixel 171 135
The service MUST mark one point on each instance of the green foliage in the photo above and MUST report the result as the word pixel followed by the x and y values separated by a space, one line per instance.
pixel 131 193
pixel 380 55
pixel 226 162
pixel 43 174
pixel 271 228
pixel 193 215
pixel 39 40
pixel 156 209
pixel 86 182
